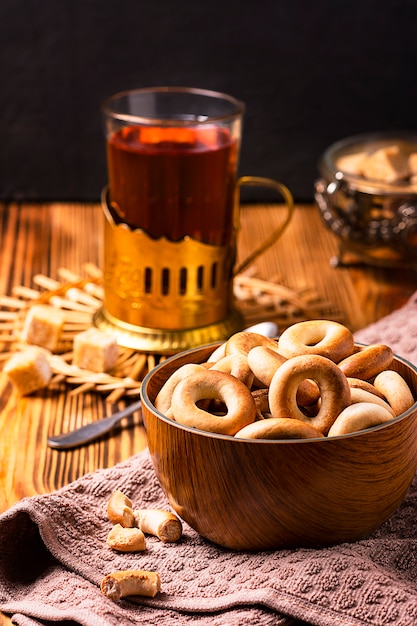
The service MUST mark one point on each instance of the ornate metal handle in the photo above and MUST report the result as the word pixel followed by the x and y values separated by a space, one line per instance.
pixel 276 234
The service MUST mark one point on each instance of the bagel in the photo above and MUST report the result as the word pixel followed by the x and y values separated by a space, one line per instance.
pixel 323 337
pixel 367 362
pixel 164 397
pixel 237 365
pixel 279 428
pixel 218 353
pixel 334 390
pixel 212 384
pixel 358 383
pixel 362 395
pixel 395 390
pixel 357 417
pixel 264 362
pixel 243 341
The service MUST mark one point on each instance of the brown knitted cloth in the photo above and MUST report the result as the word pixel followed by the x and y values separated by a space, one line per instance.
pixel 53 556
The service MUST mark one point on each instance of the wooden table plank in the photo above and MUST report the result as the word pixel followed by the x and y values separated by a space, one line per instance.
pixel 42 238
pixel 357 295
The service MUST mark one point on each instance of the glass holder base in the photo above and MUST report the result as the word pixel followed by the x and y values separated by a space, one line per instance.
pixel 167 342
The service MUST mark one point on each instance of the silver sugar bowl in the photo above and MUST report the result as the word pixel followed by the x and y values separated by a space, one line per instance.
pixel 367 196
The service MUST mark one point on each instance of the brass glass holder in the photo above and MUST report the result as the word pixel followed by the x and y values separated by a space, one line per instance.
pixel 162 296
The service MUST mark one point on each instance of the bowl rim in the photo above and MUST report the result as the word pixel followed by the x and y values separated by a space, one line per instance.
pixel 328 162
pixel 322 440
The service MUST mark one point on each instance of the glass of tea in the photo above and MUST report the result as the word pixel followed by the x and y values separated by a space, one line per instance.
pixel 171 209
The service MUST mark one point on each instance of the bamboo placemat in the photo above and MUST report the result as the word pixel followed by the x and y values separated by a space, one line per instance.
pixel 80 296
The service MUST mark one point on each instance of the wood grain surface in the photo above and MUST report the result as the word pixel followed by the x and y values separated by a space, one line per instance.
pixel 42 238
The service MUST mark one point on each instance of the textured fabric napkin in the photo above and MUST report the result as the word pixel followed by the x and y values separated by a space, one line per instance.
pixel 53 556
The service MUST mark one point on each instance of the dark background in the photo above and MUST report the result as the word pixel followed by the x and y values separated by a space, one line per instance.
pixel 310 72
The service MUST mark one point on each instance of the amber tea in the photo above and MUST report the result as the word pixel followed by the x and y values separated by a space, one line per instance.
pixel 173 181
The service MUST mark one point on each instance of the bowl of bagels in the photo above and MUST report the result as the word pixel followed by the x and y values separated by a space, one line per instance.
pixel 304 440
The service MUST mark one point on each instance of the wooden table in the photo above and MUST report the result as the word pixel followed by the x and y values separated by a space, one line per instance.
pixel 42 238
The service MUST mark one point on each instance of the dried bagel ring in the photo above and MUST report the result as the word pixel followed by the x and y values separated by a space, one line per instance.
pixel 367 362
pixel 358 417
pixel 264 362
pixel 361 395
pixel 244 341
pixel 217 354
pixel 236 365
pixel 333 385
pixel 322 337
pixel 279 428
pixel 211 384
pixel 164 397
pixel 358 383
pixel 395 390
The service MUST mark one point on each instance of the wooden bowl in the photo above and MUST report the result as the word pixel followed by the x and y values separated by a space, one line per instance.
pixel 263 494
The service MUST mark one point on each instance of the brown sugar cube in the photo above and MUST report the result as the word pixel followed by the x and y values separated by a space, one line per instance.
pixel 94 350
pixel 351 163
pixel 29 370
pixel 43 326
pixel 386 164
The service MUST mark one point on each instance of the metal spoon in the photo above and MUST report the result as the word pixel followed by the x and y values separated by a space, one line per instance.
pixel 93 431
pixel 269 329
